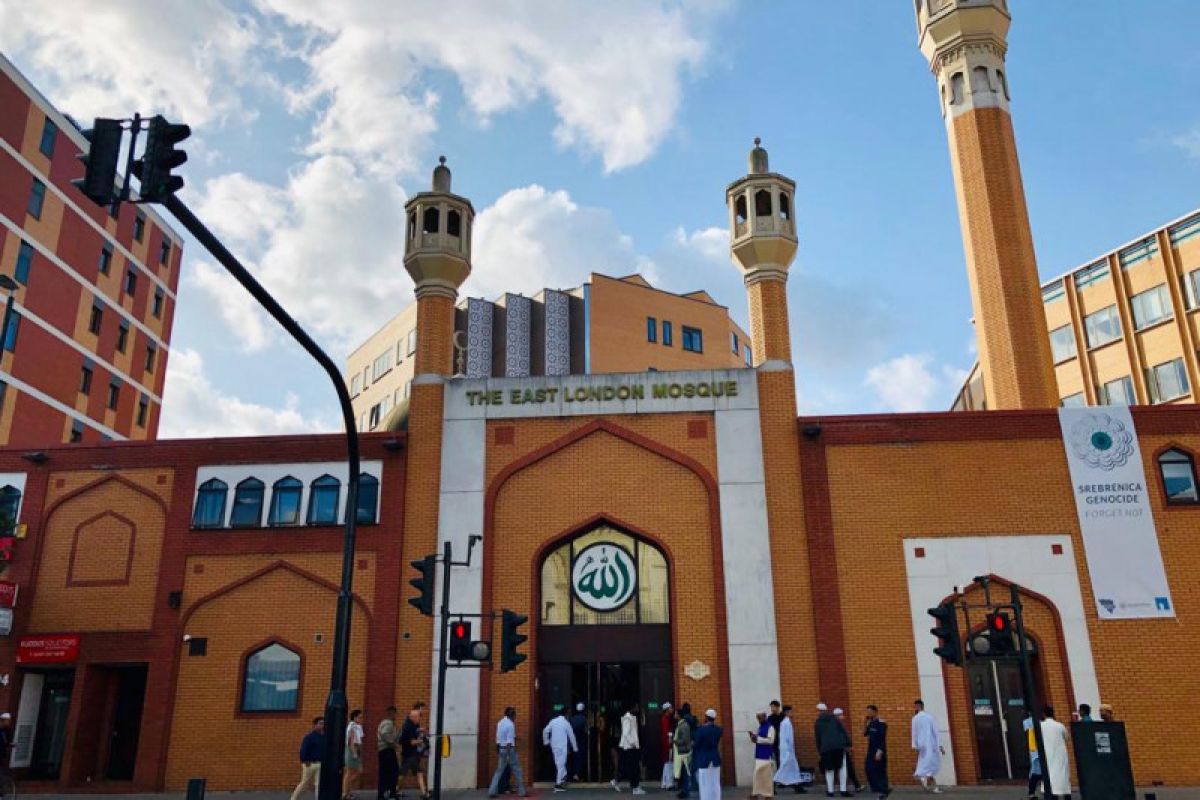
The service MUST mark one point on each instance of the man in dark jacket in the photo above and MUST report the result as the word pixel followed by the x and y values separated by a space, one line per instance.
pixel 876 764
pixel 706 757
pixel 832 741
pixel 311 748
pixel 579 757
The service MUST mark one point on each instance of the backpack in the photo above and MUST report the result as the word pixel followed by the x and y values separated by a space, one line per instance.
pixel 683 737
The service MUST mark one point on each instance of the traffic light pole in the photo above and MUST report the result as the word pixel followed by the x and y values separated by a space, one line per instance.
pixel 1028 689
pixel 335 705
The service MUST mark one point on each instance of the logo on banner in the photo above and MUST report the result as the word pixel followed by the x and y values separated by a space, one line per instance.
pixel 1101 442
pixel 604 577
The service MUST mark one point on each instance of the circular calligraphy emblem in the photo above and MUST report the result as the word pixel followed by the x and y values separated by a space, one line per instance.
pixel 604 577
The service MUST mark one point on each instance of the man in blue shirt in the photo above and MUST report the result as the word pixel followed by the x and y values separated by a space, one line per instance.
pixel 311 748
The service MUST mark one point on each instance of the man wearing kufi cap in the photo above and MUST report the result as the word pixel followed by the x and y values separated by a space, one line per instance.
pixel 706 756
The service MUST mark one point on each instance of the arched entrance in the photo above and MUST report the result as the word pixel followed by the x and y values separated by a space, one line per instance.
pixel 997 713
pixel 604 640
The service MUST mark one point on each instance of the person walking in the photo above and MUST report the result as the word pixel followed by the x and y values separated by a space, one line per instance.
pixel 630 752
pixel 311 748
pixel 389 762
pixel 1058 765
pixel 558 736
pixel 506 752
pixel 1085 713
pixel 413 744
pixel 851 772
pixel 706 757
pixel 1035 764
pixel 352 755
pixel 929 750
pixel 579 728
pixel 832 741
pixel 876 761
pixel 775 717
pixel 763 740
pixel 682 741
pixel 666 732
pixel 788 773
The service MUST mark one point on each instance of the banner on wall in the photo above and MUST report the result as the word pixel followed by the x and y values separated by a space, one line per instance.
pixel 1113 503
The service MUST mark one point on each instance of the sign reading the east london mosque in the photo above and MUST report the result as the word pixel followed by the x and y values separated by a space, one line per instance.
pixel 586 394
pixel 604 576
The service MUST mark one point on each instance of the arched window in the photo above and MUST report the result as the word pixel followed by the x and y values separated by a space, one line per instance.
pixel 429 223
pixel 1178 472
pixel 285 502
pixel 739 209
pixel 762 203
pixel 980 80
pixel 368 498
pixel 605 577
pixel 454 223
pixel 247 504
pixel 271 681
pixel 785 206
pixel 957 88
pixel 210 504
pixel 1003 84
pixel 412 225
pixel 323 497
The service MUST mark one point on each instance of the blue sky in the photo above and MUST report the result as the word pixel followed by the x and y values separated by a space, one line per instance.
pixel 601 137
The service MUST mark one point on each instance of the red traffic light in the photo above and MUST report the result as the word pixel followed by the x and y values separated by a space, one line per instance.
pixel 999 623
pixel 460 631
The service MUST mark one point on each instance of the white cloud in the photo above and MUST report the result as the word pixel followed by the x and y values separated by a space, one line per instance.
pixel 912 382
pixel 1188 142
pixel 193 407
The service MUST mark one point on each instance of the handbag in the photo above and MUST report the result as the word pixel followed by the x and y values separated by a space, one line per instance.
pixel 668 776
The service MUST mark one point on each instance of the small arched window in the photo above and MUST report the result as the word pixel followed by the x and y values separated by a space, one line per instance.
pixel 739 209
pixel 762 203
pixel 285 502
pixel 323 497
pixel 429 222
pixel 10 501
pixel 785 206
pixel 1003 84
pixel 210 504
pixel 957 88
pixel 454 223
pixel 980 80
pixel 271 680
pixel 368 498
pixel 247 504
pixel 1178 472
pixel 412 225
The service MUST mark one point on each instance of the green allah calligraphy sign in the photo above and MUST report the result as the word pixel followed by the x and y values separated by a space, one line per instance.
pixel 604 576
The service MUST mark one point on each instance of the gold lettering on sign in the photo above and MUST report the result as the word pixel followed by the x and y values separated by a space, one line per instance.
pixel 601 394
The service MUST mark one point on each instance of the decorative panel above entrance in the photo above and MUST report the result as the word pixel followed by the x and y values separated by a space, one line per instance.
pixel 605 577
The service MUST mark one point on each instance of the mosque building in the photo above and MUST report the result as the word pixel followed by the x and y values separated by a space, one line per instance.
pixel 175 612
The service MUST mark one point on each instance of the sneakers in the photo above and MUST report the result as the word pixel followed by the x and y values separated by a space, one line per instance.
pixel 638 790
pixel 558 787
pixel 616 786
pixel 936 790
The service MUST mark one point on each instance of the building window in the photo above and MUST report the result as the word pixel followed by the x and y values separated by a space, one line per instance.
pixel 647 603
pixel 1062 343
pixel 373 417
pixel 85 377
pixel 355 385
pixel 139 226
pixel 454 223
pixel 114 394
pixel 76 432
pixel 210 504
pixel 1089 275
pixel 130 281
pixel 151 352
pixel 407 388
pixel 1118 392
pixel 399 351
pixel 749 356
pixel 247 504
pixel 668 333
pixel 10 501
pixel 105 258
pixel 693 340
pixel 1073 400
pixel 97 317
pixel 323 497
pixel 164 252
pixel 382 365
pixel 10 334
pixel 429 220
pixel 143 408
pixel 412 341
pixel 1102 327
pixel 1178 472
pixel 24 262
pixel 122 336
pixel 1138 252
pixel 1055 291
pixel 272 680
pixel 762 203
pixel 285 502
pixel 157 308
pixel 1185 230
pixel 1191 288
pixel 368 498
pixel 1167 381
pixel 49 134
pixel 1151 307
pixel 37 197
pixel 734 339
pixel 651 329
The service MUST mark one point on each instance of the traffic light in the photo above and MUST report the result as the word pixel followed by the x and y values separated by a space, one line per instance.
pixel 460 641
pixel 6 551
pixel 159 158
pixel 510 639
pixel 946 628
pixel 100 161
pixel 423 602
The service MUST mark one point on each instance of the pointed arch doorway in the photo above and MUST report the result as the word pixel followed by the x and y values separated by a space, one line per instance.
pixel 604 640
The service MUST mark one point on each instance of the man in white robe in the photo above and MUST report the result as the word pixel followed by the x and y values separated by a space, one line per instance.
pixel 558 736
pixel 1057 764
pixel 788 773
pixel 929 750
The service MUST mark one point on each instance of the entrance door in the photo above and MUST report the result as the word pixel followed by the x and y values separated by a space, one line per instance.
pixel 126 722
pixel 50 739
pixel 998 710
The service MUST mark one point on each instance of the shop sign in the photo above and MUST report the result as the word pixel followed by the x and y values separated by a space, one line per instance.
pixel 8 594
pixel 604 576
pixel 47 649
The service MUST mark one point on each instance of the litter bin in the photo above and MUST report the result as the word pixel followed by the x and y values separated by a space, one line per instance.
pixel 1102 761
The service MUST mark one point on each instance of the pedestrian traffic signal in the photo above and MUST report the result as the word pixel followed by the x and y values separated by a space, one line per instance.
pixel 159 158
pixel 510 639
pixel 423 602
pixel 100 161
pixel 460 641
pixel 946 628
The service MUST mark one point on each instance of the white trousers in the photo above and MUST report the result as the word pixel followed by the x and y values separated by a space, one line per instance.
pixel 841 776
pixel 560 764
pixel 709 779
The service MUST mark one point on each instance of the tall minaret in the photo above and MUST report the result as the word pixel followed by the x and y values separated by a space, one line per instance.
pixel 762 233
pixel 965 43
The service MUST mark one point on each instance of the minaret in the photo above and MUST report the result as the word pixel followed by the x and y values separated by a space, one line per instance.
pixel 763 243
pixel 965 42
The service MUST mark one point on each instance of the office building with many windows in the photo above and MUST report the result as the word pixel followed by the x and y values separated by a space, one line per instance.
pixel 86 343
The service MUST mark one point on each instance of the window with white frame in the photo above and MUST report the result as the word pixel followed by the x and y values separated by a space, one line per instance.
pixel 1062 343
pixel 1191 288
pixel 1118 392
pixel 1151 307
pixel 1073 400
pixel 382 365
pixel 1178 473
pixel 1102 327
pixel 412 341
pixel 355 385
pixel 1167 381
